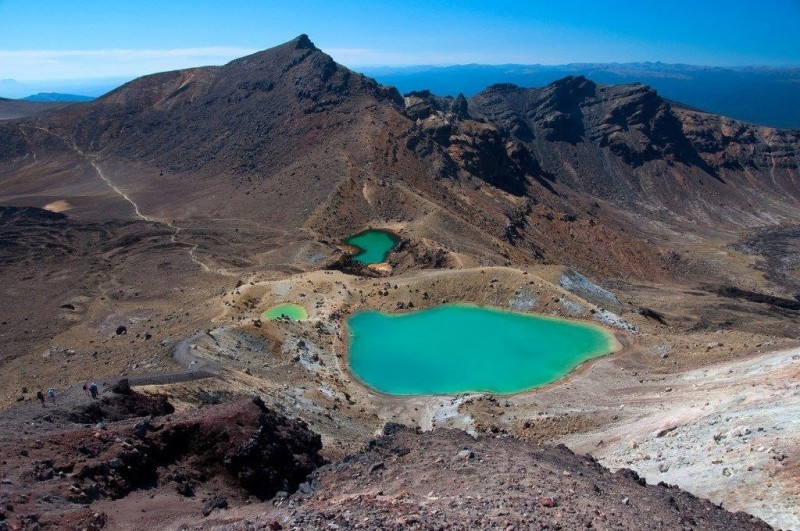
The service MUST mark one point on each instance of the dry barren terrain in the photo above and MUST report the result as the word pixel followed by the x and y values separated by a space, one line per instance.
pixel 143 234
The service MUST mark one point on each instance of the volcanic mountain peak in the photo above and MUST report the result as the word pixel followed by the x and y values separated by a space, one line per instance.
pixel 302 41
pixel 221 119
pixel 255 72
pixel 293 106
pixel 283 56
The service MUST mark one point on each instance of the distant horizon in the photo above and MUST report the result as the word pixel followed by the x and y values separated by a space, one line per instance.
pixel 29 87
pixel 357 67
pixel 97 39
pixel 181 62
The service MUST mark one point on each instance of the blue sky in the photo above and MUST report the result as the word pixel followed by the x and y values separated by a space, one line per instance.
pixel 49 39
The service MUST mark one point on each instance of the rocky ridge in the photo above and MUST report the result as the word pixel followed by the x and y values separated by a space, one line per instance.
pixel 447 480
pixel 207 458
pixel 211 467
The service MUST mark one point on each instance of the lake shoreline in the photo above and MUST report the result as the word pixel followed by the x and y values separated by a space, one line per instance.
pixel 617 343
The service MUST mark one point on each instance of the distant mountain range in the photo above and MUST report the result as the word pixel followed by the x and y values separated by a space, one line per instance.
pixel 57 96
pixel 294 125
pixel 758 95
pixel 91 88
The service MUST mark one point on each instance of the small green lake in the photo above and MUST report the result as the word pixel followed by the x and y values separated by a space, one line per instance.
pixel 374 245
pixel 462 348
pixel 292 311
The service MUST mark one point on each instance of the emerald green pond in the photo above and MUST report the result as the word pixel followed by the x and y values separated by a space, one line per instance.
pixel 461 348
pixel 373 245
pixel 292 311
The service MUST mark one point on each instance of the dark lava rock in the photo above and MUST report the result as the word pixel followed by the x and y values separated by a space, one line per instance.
pixel 122 387
pixel 120 407
pixel 652 314
pixel 217 502
pixel 122 330
pixel 140 428
pixel 257 448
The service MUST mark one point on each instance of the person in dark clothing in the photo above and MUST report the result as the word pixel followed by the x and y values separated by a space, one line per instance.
pixel 93 390
pixel 40 397
pixel 51 393
pixel 86 388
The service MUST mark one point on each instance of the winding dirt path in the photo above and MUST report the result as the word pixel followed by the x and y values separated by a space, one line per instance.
pixel 176 230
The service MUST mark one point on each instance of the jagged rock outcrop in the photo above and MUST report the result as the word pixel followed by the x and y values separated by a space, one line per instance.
pixel 262 451
pixel 474 148
pixel 627 144
pixel 242 447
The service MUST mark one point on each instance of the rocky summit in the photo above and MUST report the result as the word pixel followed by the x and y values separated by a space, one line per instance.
pixel 145 235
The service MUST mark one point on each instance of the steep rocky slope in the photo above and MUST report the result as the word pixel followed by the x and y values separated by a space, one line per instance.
pixel 217 464
pixel 289 127
pixel 628 145
pixel 446 479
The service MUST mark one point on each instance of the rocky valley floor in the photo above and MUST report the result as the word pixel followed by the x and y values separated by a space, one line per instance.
pixel 142 236
pixel 711 411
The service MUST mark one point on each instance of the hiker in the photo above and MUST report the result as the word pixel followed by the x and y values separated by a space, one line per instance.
pixel 52 394
pixel 93 390
pixel 86 388
pixel 40 397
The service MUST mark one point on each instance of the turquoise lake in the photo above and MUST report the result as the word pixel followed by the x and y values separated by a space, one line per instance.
pixel 292 311
pixel 374 245
pixel 462 348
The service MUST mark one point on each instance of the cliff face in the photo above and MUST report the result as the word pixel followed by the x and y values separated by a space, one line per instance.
pixel 628 144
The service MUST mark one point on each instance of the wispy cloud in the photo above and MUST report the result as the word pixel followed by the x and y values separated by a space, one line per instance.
pixel 34 65
pixel 51 65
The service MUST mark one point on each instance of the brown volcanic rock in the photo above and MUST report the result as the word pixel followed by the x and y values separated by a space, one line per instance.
pixel 282 128
pixel 263 113
pixel 254 171
pixel 230 119
pixel 191 464
pixel 627 144
pixel 259 449
pixel 264 158
pixel 446 479
pixel 288 137
pixel 241 448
